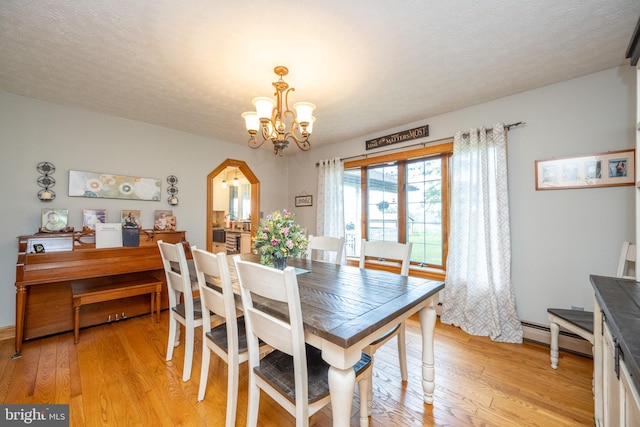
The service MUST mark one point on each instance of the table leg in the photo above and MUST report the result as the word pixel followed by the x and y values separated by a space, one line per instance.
pixel 342 384
pixel 428 327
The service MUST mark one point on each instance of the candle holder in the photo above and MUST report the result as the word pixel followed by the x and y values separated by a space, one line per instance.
pixel 46 181
pixel 172 190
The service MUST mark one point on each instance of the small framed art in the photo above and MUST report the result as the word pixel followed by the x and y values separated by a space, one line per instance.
pixel 304 201
pixel 160 218
pixel 54 219
pixel 131 218
pixel 613 168
pixel 91 217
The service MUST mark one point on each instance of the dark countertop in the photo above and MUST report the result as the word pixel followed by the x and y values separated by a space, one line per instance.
pixel 619 299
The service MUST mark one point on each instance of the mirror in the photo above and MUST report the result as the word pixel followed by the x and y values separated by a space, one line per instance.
pixel 245 198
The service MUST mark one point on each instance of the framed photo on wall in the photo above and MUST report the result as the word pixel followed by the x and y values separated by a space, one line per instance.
pixel 613 168
pixel 304 201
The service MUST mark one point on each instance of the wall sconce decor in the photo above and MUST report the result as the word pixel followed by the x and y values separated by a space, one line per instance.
pixel 46 181
pixel 172 190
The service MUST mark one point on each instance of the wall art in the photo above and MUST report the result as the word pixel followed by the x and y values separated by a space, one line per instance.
pixel 91 217
pixel 111 186
pixel 608 169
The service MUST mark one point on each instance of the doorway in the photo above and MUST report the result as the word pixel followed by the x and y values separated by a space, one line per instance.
pixel 212 189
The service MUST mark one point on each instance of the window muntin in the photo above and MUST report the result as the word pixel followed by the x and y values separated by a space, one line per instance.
pixel 424 210
pixel 400 197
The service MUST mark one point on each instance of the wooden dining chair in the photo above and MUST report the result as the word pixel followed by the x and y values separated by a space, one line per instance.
pixel 228 339
pixel 294 374
pixel 184 309
pixel 326 248
pixel 388 254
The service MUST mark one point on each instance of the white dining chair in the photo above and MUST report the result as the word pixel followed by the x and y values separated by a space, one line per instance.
pixel 186 312
pixel 627 258
pixel 326 248
pixel 581 322
pixel 228 340
pixel 294 374
pixel 395 254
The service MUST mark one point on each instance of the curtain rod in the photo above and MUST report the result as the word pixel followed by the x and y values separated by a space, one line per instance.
pixel 423 144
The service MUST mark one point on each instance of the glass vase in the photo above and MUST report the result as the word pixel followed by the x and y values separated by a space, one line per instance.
pixel 280 263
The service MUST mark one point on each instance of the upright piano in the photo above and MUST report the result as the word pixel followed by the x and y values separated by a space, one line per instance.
pixel 43 279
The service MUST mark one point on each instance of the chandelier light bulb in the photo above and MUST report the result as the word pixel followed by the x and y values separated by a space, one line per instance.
pixel 304 110
pixel 251 121
pixel 264 107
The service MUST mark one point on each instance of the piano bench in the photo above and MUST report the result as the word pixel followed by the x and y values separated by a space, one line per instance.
pixel 90 291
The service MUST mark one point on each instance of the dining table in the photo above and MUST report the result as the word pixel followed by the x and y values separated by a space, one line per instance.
pixel 344 308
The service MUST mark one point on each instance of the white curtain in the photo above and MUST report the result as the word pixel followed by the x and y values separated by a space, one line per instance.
pixel 330 210
pixel 478 294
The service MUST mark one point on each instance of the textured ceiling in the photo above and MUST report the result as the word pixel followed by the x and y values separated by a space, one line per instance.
pixel 195 65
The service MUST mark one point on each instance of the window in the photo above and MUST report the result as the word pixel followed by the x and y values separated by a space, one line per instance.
pixel 400 197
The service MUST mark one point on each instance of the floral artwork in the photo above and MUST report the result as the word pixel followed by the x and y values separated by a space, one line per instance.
pixel 110 186
pixel 278 237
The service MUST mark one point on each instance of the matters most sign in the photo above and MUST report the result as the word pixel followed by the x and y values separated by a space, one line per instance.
pixel 406 135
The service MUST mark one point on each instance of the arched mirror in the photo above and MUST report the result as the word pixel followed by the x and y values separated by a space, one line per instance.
pixel 233 194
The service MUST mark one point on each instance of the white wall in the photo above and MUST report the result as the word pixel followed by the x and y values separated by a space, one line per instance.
pixel 559 237
pixel 33 131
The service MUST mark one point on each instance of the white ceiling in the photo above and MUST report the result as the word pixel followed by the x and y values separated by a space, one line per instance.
pixel 195 65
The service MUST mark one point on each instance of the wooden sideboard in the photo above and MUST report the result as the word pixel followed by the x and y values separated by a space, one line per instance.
pixel 44 304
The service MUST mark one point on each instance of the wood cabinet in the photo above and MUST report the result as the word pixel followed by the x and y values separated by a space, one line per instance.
pixel 218 247
pixel 616 354
pixel 44 304
pixel 245 243
pixel 610 384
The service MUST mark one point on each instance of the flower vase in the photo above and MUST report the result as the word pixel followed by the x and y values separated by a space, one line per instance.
pixel 280 263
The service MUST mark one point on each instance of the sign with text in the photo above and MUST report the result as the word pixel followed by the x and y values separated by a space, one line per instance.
pixel 406 135
pixel 54 415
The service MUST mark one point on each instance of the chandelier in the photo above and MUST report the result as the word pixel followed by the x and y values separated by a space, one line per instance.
pixel 276 122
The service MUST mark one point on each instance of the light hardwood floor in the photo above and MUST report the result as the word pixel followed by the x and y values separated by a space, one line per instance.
pixel 117 376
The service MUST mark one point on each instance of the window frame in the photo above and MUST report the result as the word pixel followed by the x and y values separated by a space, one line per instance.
pixel 445 150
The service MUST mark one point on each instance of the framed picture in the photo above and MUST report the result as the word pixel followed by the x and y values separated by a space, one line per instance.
pixel 171 223
pixel 91 217
pixel 160 220
pixel 304 201
pixel 111 186
pixel 54 219
pixel 131 218
pixel 608 169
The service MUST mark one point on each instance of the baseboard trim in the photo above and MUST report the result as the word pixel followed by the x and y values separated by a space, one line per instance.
pixel 566 340
pixel 7 332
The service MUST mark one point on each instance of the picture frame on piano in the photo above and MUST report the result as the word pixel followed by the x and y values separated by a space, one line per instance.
pixel 54 221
